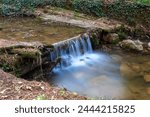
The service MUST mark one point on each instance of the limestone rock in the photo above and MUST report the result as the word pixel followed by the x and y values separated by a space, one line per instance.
pixel 149 45
pixel 132 45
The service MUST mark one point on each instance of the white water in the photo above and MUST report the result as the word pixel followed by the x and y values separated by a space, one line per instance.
pixel 81 68
pixel 71 50
pixel 94 74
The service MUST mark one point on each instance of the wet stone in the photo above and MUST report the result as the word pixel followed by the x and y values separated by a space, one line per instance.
pixel 147 78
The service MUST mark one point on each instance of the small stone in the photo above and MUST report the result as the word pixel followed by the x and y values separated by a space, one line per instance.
pixel 149 45
pixel 75 93
pixel 42 87
pixel 147 78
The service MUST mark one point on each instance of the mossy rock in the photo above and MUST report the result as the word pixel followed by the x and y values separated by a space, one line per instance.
pixel 27 52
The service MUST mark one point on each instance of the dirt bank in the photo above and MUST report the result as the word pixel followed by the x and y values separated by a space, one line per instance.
pixel 17 88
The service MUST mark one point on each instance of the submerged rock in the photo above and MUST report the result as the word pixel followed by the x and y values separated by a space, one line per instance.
pixel 132 45
pixel 116 58
pixel 129 70
pixel 147 78
pixel 148 91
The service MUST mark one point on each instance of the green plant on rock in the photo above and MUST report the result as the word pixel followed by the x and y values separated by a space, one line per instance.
pixel 40 97
pixel 6 67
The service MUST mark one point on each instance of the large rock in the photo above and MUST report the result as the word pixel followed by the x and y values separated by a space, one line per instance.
pixel 112 38
pixel 132 45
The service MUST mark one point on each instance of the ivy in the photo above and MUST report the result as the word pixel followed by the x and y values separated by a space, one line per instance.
pixel 94 7
pixel 132 12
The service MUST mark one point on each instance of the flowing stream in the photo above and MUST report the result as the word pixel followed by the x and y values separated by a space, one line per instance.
pixel 99 75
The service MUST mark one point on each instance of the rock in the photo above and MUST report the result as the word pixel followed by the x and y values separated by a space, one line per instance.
pixel 129 71
pixel 136 67
pixel 149 45
pixel 147 78
pixel 116 58
pixel 1 28
pixel 112 38
pixel 132 45
pixel 148 91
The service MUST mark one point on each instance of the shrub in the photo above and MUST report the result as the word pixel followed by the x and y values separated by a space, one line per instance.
pixel 94 7
pixel 16 7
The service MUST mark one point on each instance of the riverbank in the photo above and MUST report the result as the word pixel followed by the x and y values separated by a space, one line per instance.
pixel 13 88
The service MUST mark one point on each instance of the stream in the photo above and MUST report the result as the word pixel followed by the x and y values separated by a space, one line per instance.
pixel 98 75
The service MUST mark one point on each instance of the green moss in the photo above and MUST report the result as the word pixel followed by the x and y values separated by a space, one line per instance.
pixel 40 97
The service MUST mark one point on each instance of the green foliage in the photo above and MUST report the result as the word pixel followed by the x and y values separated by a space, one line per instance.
pixel 41 97
pixel 143 1
pixel 132 12
pixel 94 7
pixel 58 3
pixel 17 7
pixel 6 67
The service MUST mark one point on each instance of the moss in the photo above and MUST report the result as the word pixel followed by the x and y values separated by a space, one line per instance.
pixel 122 35
pixel 27 52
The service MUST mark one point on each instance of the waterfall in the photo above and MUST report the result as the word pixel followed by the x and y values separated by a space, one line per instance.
pixel 71 49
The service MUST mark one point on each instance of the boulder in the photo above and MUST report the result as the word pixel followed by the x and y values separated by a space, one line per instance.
pixel 132 45
pixel 112 38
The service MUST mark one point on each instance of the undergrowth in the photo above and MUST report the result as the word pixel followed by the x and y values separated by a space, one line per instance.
pixel 137 11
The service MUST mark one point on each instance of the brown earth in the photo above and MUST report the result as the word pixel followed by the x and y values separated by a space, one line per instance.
pixel 12 88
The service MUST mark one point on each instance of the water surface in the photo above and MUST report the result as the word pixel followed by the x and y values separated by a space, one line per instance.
pixel 32 29
pixel 106 76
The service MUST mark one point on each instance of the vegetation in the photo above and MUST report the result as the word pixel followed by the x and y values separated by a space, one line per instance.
pixel 132 12
pixel 143 1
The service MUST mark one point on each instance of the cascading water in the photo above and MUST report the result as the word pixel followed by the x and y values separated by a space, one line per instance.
pixel 71 49
pixel 94 74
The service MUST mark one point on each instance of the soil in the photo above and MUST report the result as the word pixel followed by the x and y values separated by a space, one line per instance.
pixel 13 88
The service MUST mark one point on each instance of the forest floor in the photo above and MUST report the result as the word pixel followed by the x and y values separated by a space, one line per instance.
pixel 13 88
